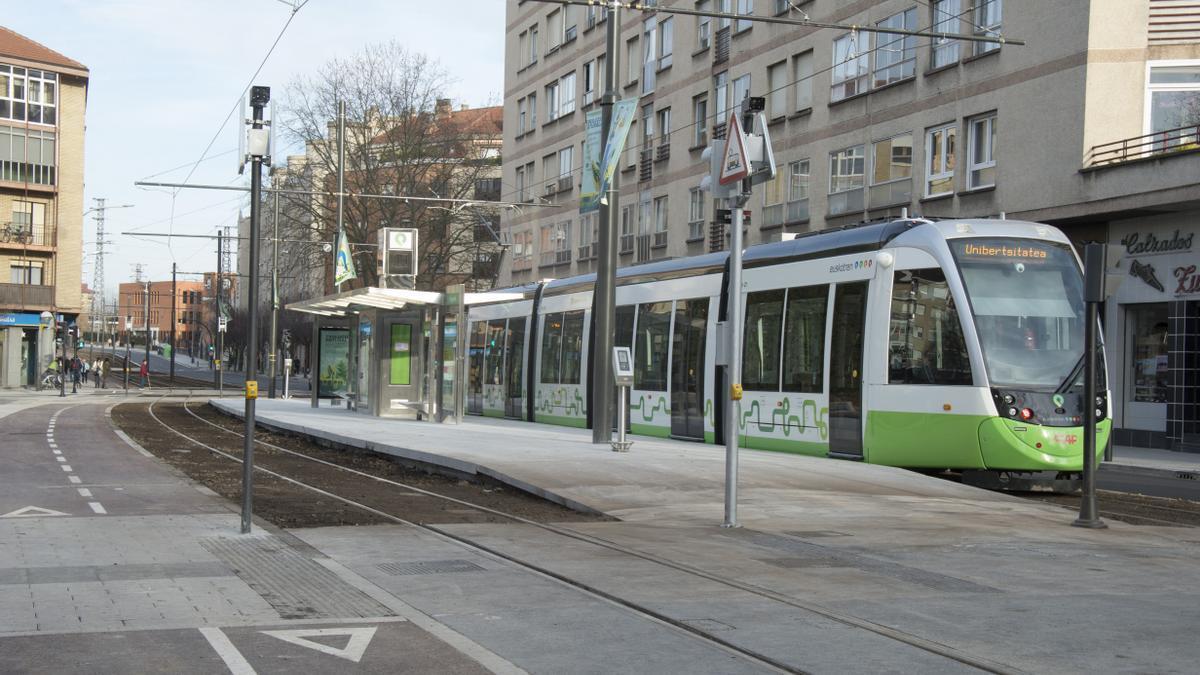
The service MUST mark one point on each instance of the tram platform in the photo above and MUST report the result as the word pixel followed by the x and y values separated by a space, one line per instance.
pixel 998 577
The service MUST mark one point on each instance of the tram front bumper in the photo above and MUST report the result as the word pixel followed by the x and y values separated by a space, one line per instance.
pixel 1019 446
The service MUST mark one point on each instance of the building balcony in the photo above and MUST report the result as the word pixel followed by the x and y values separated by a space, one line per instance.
pixel 1149 146
pixel 26 296
pixel 18 236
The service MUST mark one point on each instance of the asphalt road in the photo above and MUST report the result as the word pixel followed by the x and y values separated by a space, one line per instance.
pixel 1152 483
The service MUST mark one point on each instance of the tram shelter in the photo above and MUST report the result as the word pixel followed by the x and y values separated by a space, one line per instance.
pixel 392 352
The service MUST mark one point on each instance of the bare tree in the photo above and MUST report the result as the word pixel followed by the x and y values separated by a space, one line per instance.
pixel 403 139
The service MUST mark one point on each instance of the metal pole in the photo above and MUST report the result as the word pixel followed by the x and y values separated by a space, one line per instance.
pixel 147 334
pixel 258 102
pixel 219 338
pixel 733 371
pixel 127 357
pixel 62 368
pixel 1088 514
pixel 604 300
pixel 174 295
pixel 341 177
pixel 273 356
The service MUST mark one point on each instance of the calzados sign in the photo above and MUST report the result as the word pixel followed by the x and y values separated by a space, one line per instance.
pixel 1135 244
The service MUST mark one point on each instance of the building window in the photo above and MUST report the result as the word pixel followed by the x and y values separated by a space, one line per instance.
pixel 626 241
pixel 649 54
pixel 849 68
pixel 28 224
pixel 569 20
pixel 945 20
pixel 555 244
pixel 1149 378
pixel 589 236
pixel 891 171
pixel 666 42
pixel 802 77
pixel 28 95
pixel 566 93
pixel 26 272
pixel 926 344
pixel 724 7
pixel 939 160
pixel 744 8
pixel 566 162
pixel 797 204
pixel 664 125
pixel 703 26
pixel 533 45
pixel 741 90
pixel 532 110
pixel 987 24
pixel 896 55
pixel 846 171
pixel 633 58
pixel 721 94
pixel 660 222
pixel 777 93
pixel 552 101
pixel 696 199
pixel 1172 100
pixel 554 27
pixel 27 156
pixel 981 171
pixel 589 82
pixel 522 115
pixel 773 209
pixel 700 120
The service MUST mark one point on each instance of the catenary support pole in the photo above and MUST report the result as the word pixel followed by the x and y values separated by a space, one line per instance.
pixel 218 336
pixel 258 100
pixel 1093 268
pixel 147 292
pixel 174 295
pixel 274 355
pixel 733 370
pixel 604 299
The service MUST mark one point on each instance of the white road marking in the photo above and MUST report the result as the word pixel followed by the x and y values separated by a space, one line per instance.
pixel 84 492
pixel 58 452
pixel 74 479
pixel 97 507
pixel 53 444
pixel 234 661
pixel 353 651
pixel 33 512
pixel 61 458
pixel 67 468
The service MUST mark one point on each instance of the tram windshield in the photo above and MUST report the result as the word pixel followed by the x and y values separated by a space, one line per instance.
pixel 1027 300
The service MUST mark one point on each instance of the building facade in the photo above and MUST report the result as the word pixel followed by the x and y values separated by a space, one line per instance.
pixel 1090 126
pixel 43 95
pixel 195 314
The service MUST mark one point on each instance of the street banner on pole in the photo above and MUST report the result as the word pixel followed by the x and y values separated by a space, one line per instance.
pixel 622 118
pixel 589 193
pixel 343 264
pixel 735 165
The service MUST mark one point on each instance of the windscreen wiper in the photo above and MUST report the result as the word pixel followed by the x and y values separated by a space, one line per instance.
pixel 1074 375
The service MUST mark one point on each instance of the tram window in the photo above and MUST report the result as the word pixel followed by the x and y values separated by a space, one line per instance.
pixel 624 336
pixel 552 330
pixel 650 346
pixel 804 339
pixel 926 341
pixel 572 347
pixel 495 352
pixel 760 351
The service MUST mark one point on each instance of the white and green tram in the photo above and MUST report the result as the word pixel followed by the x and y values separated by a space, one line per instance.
pixel 952 344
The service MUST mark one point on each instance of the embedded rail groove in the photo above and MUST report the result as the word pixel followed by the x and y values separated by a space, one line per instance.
pixel 979 663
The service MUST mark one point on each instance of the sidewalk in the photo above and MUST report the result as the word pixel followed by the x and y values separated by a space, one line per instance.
pixel 1003 579
pixel 1158 461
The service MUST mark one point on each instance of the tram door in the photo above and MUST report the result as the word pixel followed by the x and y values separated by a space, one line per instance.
pixel 845 369
pixel 514 401
pixel 687 368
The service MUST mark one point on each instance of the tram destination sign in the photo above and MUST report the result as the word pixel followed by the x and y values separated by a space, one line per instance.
pixel 1009 251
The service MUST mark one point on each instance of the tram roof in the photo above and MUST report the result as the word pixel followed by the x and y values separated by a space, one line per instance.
pixel 657 270
pixel 829 242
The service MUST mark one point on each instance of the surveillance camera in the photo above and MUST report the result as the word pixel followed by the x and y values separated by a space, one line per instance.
pixel 260 96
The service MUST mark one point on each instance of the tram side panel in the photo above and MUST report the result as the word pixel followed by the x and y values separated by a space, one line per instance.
pixel 560 389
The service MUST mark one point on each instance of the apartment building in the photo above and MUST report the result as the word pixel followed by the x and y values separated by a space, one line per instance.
pixel 1090 125
pixel 195 313
pixel 43 95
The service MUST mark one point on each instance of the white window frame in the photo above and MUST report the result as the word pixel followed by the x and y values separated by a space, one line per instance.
pixel 887 45
pixel 796 169
pixel 566 94
pixel 566 161
pixel 696 199
pixel 649 53
pixel 522 115
pixel 666 42
pixel 744 8
pixel 661 221
pixel 532 110
pixel 983 28
pixel 802 79
pixel 989 160
pixel 700 120
pixel 945 19
pixel 1153 88
pixel 703 26
pixel 552 101
pixel 849 76
pixel 949 161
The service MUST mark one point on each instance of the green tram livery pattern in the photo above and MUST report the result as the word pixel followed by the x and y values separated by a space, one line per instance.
pixel 950 344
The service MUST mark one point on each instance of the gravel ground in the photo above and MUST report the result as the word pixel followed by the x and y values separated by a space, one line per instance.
pixel 291 506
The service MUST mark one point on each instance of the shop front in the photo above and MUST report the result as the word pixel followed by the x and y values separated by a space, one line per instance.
pixel 1152 328
pixel 26 347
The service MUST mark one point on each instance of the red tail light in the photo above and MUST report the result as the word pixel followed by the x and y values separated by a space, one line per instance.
pixel 1026 414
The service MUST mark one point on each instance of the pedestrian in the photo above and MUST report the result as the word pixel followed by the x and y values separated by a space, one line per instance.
pixel 102 372
pixel 97 366
pixel 144 371
pixel 76 368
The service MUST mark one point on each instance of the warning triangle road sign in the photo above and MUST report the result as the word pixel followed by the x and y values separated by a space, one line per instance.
pixel 735 165
pixel 33 512
pixel 355 647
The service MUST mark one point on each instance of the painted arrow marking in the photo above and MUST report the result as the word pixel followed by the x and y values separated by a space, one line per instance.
pixel 33 512
pixel 355 647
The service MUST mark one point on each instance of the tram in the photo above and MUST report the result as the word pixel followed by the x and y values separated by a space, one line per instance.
pixel 948 344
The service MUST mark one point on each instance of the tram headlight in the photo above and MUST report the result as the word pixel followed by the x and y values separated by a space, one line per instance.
pixel 1012 412
pixel 1099 414
pixel 1100 401
pixel 1009 399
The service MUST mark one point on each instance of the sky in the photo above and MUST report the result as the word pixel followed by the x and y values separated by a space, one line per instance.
pixel 166 73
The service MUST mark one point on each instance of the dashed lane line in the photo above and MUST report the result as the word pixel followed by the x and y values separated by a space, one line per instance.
pixel 74 479
pixel 84 492
pixel 97 507
pixel 67 468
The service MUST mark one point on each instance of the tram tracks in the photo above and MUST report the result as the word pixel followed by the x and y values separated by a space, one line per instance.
pixel 634 606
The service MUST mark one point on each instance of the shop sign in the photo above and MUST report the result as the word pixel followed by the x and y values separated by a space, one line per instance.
pixel 1184 273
